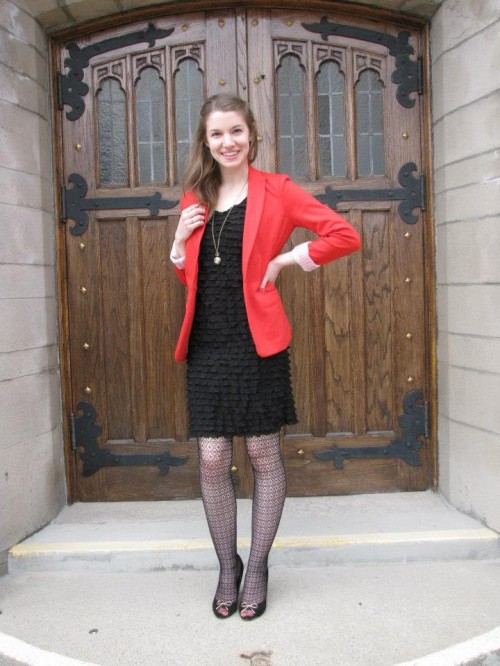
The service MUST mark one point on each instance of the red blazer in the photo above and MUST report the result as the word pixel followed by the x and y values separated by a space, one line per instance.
pixel 275 206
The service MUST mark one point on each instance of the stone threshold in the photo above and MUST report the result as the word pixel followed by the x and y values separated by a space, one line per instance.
pixel 314 531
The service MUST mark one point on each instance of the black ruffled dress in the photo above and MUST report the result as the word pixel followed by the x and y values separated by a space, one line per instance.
pixel 231 390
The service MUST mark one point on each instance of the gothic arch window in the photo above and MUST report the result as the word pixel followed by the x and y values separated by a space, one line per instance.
pixel 370 124
pixel 111 114
pixel 330 84
pixel 188 101
pixel 292 151
pixel 150 118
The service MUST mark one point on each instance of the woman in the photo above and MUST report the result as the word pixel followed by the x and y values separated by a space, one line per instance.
pixel 235 335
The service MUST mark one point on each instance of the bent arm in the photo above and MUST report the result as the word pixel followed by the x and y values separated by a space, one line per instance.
pixel 336 237
pixel 183 232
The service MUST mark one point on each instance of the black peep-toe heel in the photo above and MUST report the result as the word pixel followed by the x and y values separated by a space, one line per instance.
pixel 230 606
pixel 256 609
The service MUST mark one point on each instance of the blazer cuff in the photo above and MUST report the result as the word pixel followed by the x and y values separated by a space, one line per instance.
pixel 176 258
pixel 301 255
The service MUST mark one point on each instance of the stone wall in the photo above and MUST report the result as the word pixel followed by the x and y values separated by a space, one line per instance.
pixel 466 117
pixel 32 485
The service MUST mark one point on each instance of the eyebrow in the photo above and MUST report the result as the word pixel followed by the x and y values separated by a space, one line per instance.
pixel 217 129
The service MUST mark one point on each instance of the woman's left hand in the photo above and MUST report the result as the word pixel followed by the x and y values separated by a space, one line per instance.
pixel 274 267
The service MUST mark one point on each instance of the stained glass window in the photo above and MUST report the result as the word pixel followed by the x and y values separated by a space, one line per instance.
pixel 291 117
pixel 188 102
pixel 370 124
pixel 150 101
pixel 113 168
pixel 331 120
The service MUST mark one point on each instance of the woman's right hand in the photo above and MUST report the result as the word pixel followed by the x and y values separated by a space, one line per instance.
pixel 191 218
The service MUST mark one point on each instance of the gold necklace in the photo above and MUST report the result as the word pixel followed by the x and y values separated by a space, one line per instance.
pixel 217 257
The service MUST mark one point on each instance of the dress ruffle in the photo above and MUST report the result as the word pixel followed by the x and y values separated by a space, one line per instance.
pixel 231 390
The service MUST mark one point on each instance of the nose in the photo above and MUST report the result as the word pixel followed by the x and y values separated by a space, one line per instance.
pixel 227 139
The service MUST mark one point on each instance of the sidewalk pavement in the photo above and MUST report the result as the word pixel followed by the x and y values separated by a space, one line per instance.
pixel 341 615
pixel 329 608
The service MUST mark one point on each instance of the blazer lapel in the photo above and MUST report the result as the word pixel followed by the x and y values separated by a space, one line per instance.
pixel 253 213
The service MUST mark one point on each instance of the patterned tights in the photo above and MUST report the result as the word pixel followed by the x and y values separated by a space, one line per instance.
pixel 220 507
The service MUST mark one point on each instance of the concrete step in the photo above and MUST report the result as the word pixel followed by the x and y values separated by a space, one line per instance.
pixel 317 531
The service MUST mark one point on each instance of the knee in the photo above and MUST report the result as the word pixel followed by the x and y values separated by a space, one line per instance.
pixel 214 463
pixel 263 461
pixel 215 460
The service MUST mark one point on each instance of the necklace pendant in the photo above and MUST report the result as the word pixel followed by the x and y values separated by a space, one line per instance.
pixel 217 260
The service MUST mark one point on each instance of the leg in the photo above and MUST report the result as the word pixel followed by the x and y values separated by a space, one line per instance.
pixel 268 499
pixel 220 508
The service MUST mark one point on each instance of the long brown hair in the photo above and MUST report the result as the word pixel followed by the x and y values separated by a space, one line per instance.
pixel 203 175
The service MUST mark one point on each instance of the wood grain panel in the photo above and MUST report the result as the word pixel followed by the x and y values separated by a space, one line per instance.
pixel 339 330
pixel 137 339
pixel 221 56
pixel 146 483
pixel 157 322
pixel 306 475
pixel 261 85
pixel 378 315
pixel 115 326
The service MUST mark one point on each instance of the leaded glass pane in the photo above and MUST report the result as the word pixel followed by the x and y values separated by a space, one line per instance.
pixel 113 168
pixel 291 117
pixel 331 120
pixel 151 151
pixel 188 102
pixel 370 124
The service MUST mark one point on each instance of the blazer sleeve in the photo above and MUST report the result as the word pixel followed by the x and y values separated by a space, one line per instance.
pixel 174 255
pixel 336 236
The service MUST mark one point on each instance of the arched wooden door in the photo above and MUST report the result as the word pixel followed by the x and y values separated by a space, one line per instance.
pixel 339 109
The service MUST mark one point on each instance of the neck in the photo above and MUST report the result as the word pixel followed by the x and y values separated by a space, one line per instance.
pixel 231 178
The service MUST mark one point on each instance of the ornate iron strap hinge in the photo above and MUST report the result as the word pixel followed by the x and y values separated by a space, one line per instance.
pixel 70 87
pixel 414 424
pixel 85 432
pixel 74 204
pixel 408 73
pixel 411 194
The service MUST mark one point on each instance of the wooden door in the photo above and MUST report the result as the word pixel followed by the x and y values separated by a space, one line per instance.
pixel 330 114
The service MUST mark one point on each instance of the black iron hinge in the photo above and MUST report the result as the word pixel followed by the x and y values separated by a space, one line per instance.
pixel 411 194
pixel 71 89
pixel 414 424
pixel 76 206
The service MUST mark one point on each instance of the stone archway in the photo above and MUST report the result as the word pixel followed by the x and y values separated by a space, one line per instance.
pixel 58 14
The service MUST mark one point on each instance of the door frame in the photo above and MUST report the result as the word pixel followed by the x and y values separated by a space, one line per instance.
pixel 173 7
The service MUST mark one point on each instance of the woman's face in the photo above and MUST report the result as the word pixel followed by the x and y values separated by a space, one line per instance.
pixel 228 139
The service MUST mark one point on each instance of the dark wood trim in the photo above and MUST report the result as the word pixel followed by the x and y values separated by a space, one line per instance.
pixel 177 6
pixel 61 273
pixel 430 259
